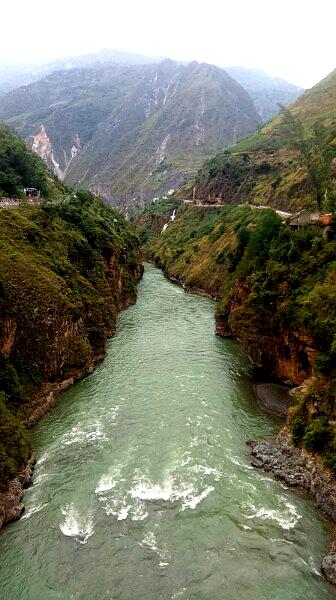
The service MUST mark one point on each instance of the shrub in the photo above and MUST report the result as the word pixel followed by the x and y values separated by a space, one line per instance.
pixel 317 435
pixel 262 168
pixel 330 459
pixel 79 352
pixel 267 229
pixel 298 429
pixel 324 362
pixel 9 380
pixel 14 444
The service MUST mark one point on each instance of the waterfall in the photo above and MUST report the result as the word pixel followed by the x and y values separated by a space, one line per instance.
pixel 172 218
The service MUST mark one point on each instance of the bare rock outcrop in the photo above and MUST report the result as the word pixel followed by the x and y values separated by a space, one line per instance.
pixel 299 468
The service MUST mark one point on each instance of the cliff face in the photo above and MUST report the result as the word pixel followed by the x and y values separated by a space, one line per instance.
pixel 284 352
pixel 64 346
pixel 57 337
pixel 66 271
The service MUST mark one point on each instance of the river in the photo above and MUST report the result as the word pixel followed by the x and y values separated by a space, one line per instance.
pixel 143 488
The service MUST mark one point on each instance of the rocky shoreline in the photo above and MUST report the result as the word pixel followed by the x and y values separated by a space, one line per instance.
pixel 274 398
pixel 187 288
pixel 302 469
pixel 11 506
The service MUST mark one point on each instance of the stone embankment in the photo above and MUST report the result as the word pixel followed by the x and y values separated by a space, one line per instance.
pixel 299 468
pixel 16 202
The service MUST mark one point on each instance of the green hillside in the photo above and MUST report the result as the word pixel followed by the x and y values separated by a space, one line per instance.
pixel 20 168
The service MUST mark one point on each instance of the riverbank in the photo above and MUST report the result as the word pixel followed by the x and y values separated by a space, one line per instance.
pixel 11 500
pixel 66 272
pixel 272 397
pixel 188 288
pixel 298 468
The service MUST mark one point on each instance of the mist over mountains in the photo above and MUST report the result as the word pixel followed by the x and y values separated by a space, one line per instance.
pixel 267 93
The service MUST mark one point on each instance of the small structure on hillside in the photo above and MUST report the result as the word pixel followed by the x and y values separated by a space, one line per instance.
pixel 304 219
pixel 31 192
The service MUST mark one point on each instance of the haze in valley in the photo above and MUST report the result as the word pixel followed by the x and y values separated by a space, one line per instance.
pixel 289 39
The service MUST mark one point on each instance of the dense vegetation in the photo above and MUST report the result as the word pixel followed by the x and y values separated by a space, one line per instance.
pixel 65 271
pixel 20 168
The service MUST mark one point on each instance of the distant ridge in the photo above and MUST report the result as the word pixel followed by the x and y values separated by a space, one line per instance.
pixel 267 92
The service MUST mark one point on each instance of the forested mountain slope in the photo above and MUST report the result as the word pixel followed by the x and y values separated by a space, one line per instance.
pixel 66 269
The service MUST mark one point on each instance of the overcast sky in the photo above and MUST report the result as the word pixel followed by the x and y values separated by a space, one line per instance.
pixel 294 39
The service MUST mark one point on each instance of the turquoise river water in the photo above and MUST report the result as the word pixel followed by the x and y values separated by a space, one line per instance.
pixel 143 488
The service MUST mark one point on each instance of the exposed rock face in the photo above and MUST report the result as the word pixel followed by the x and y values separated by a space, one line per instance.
pixel 274 398
pixel 299 468
pixel 11 506
pixel 287 354
pixel 42 145
pixel 8 336
pixel 51 333
pixel 328 565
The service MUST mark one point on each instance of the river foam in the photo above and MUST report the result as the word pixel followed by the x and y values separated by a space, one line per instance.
pixel 286 517
pixel 75 525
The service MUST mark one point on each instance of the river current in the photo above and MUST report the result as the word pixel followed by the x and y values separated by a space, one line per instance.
pixel 143 489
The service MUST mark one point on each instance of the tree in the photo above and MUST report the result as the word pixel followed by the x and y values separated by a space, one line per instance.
pixel 314 151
